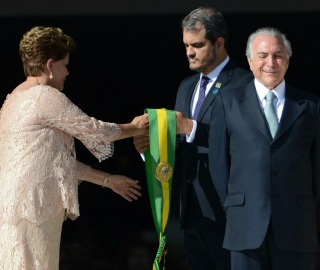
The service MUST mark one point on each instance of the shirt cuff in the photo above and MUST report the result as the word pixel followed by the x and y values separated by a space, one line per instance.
pixel 190 137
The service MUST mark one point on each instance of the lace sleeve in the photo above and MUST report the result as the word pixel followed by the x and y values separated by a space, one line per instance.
pixel 57 111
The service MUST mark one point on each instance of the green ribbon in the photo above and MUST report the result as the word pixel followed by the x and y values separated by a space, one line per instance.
pixel 159 164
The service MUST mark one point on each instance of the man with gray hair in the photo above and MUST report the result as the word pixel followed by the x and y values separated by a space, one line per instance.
pixel 264 154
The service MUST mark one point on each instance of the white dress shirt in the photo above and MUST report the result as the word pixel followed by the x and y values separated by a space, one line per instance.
pixel 279 91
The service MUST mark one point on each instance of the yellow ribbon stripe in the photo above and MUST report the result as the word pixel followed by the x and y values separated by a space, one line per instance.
pixel 159 165
pixel 163 142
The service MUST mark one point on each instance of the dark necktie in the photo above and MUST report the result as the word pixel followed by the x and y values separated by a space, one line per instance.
pixel 202 94
pixel 270 113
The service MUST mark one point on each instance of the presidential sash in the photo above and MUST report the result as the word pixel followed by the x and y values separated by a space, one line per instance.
pixel 159 164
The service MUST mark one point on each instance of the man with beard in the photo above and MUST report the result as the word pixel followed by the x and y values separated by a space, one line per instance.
pixel 202 217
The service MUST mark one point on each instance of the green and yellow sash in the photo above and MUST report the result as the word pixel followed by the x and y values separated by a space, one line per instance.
pixel 159 163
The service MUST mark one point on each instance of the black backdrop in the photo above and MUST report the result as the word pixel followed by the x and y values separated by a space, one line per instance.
pixel 122 65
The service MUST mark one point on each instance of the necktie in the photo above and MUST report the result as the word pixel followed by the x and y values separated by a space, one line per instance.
pixel 270 113
pixel 202 94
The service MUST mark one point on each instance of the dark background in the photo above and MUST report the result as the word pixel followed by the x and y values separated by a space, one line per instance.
pixel 126 61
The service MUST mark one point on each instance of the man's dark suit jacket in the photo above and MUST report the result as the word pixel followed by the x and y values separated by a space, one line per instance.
pixel 194 167
pixel 261 179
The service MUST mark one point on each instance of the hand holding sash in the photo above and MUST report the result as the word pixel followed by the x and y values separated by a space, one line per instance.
pixel 138 126
pixel 141 143
pixel 142 123
pixel 184 124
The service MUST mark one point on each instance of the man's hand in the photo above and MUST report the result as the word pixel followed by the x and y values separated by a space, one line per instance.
pixel 184 124
pixel 141 143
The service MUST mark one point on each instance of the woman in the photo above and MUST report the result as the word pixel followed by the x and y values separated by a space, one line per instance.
pixel 38 168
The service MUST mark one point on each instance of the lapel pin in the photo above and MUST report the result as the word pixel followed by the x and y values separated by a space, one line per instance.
pixel 216 88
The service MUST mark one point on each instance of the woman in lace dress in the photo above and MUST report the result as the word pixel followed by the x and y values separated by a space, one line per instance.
pixel 38 168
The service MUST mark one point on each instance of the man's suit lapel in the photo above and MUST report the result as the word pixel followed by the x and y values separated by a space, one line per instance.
pixel 188 97
pixel 293 108
pixel 208 100
pixel 222 80
pixel 252 111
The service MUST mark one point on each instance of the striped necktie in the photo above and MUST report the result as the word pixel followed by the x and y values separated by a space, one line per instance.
pixel 202 94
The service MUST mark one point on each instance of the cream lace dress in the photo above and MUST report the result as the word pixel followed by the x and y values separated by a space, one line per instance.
pixel 39 173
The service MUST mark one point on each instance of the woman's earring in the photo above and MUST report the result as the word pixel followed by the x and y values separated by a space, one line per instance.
pixel 51 76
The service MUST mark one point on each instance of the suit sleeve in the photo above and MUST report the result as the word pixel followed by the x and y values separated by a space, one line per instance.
pixel 201 134
pixel 219 161
pixel 179 107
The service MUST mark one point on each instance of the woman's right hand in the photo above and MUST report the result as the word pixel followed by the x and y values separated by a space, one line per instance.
pixel 142 123
pixel 138 126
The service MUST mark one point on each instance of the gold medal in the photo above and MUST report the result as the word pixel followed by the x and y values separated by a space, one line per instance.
pixel 163 172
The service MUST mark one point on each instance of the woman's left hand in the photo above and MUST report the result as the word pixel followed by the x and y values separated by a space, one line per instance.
pixel 126 187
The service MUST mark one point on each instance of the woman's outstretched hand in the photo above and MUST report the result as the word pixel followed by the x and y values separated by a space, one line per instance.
pixel 138 126
pixel 142 123
pixel 126 187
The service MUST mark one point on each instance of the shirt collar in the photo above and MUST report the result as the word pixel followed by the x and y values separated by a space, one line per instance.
pixel 213 75
pixel 279 91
